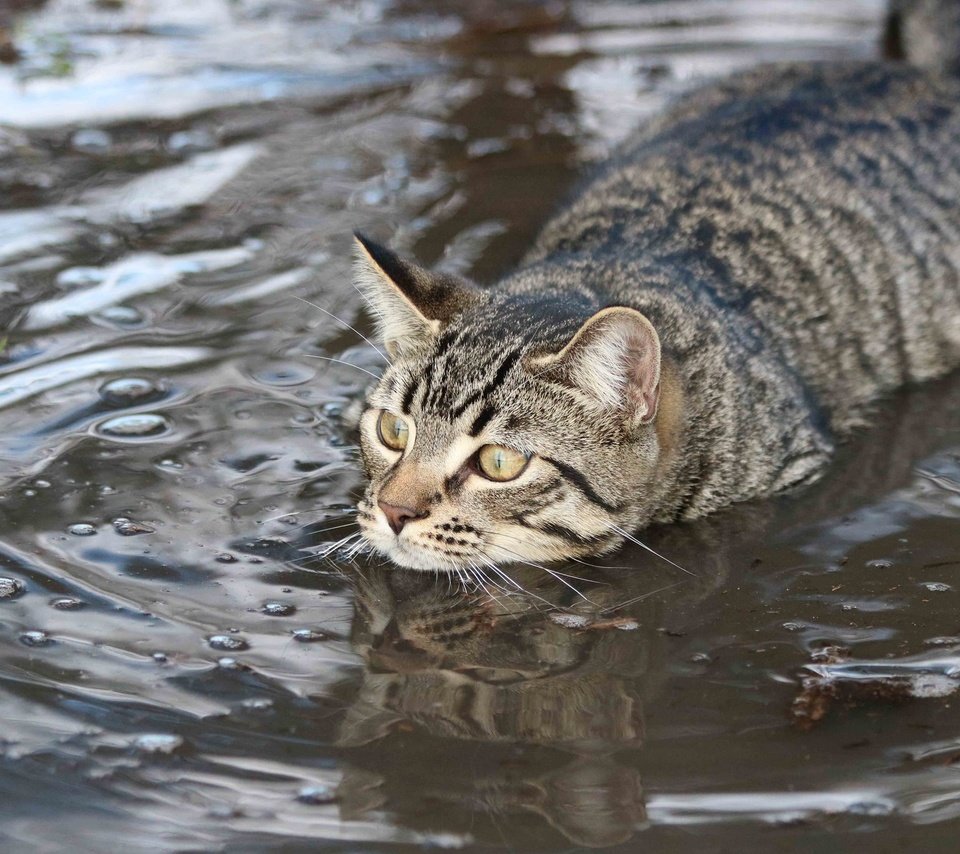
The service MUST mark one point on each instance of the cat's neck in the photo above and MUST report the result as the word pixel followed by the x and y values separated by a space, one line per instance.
pixel 670 414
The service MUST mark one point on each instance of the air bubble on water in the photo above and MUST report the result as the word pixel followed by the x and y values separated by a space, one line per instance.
pixel 228 663
pixel 157 743
pixel 700 658
pixel 936 586
pixel 317 795
pixel 880 563
pixel 278 609
pixel 283 374
pixel 227 643
pixel 127 391
pixel 66 603
pixel 137 426
pixel 160 657
pixel 10 588
pixel 35 638
pixel 42 484
pixel 793 627
pixel 308 636
pixel 82 529
pixel 225 557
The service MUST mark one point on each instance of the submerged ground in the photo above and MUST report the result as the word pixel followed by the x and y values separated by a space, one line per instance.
pixel 176 673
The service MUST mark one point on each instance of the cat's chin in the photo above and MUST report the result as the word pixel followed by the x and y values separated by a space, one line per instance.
pixel 412 556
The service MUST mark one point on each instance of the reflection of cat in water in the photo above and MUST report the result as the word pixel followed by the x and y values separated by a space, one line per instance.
pixel 504 671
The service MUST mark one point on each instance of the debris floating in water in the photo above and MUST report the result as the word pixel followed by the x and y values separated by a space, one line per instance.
pixel 836 678
pixel 129 528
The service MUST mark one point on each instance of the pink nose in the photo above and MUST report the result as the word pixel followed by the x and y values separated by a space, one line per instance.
pixel 398 516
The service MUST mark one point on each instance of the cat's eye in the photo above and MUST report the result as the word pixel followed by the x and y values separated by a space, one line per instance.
pixel 393 431
pixel 498 462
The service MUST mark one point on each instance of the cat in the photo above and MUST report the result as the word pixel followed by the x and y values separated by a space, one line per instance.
pixel 713 311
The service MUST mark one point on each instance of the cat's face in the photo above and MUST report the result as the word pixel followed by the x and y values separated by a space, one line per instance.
pixel 505 429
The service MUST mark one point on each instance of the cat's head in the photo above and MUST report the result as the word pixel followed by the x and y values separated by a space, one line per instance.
pixel 509 425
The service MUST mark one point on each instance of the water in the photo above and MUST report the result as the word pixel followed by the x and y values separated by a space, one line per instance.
pixel 176 672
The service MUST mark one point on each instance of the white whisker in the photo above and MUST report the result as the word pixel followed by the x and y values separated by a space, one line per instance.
pixel 558 576
pixel 639 598
pixel 637 542
pixel 342 362
pixel 352 329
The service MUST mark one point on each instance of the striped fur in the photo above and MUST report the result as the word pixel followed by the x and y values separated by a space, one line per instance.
pixel 793 236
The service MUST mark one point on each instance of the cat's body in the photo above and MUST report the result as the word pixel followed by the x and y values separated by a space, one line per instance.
pixel 699 326
pixel 794 236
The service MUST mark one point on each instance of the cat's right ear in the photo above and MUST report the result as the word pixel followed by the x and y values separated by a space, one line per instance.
pixel 410 304
pixel 613 361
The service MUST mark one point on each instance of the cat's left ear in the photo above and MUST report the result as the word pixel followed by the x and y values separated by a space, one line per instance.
pixel 614 361
pixel 410 304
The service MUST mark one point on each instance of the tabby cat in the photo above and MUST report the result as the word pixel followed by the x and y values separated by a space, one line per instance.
pixel 701 324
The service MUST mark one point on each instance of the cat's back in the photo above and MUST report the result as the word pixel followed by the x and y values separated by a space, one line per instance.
pixel 785 121
pixel 815 205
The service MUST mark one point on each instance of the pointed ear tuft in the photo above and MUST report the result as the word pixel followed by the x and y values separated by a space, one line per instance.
pixel 410 304
pixel 614 361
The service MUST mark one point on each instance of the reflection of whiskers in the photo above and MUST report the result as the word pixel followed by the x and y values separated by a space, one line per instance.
pixel 628 536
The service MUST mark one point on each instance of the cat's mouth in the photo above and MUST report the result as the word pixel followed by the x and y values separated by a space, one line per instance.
pixel 420 552
pixel 432 545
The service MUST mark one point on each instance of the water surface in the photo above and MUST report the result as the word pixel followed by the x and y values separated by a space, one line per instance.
pixel 177 672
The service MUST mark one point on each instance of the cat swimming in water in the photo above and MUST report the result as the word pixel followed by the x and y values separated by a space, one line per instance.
pixel 708 317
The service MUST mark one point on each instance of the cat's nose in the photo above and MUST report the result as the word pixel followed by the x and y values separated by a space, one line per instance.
pixel 398 515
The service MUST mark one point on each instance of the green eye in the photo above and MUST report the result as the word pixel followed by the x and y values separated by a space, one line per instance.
pixel 498 462
pixel 393 431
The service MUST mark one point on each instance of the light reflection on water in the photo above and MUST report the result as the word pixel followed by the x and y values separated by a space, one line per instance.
pixel 175 669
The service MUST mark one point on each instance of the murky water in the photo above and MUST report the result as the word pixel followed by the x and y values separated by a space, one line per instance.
pixel 177 673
